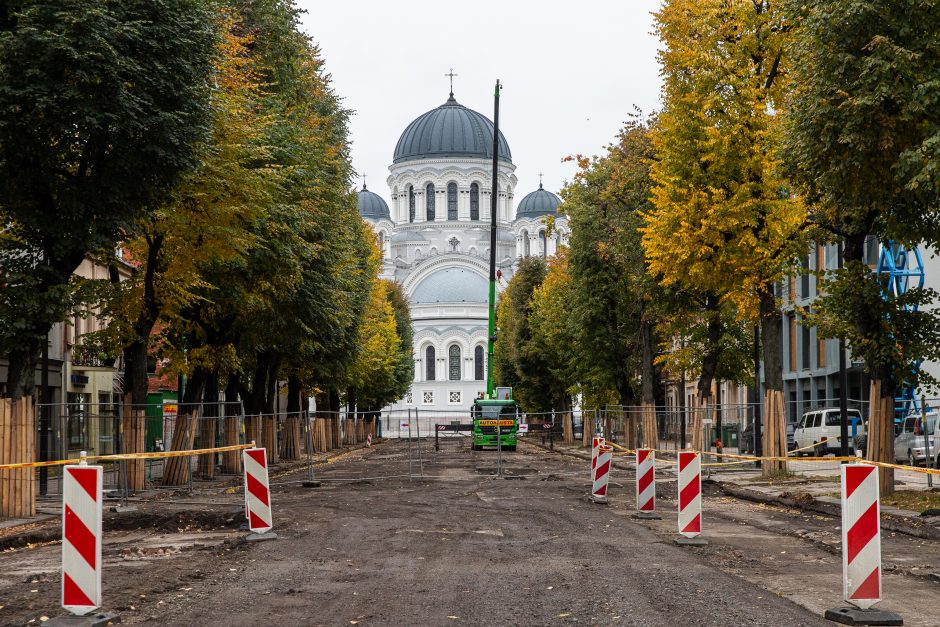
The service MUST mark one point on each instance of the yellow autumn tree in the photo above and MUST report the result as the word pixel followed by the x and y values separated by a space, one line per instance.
pixel 723 223
pixel 372 380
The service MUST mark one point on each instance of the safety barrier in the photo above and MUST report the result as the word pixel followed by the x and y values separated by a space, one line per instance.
pixel 257 490
pixel 81 538
pixel 690 497
pixel 646 484
pixel 601 474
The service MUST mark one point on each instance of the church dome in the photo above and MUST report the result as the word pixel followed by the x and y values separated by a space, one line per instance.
pixel 452 285
pixel 451 130
pixel 538 203
pixel 372 206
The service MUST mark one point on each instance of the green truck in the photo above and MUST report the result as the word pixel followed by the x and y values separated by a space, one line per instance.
pixel 492 416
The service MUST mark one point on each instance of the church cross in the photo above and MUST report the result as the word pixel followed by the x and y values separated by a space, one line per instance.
pixel 451 75
pixel 540 180
pixel 363 181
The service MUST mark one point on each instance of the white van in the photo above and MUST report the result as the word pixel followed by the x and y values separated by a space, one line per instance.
pixel 909 445
pixel 821 427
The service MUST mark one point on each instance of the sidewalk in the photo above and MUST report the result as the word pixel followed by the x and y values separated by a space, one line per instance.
pixel 818 492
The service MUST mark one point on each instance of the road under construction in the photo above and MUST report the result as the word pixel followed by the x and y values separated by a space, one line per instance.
pixel 398 534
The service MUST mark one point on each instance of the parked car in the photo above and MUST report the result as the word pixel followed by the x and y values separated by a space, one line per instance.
pixel 746 441
pixel 910 446
pixel 821 428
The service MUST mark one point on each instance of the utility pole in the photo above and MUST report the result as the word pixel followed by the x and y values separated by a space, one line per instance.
pixel 494 190
pixel 843 390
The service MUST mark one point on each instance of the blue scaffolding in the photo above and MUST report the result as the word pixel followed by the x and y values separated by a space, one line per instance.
pixel 901 269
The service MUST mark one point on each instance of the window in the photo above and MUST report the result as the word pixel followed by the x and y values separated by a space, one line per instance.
pixel 429 373
pixel 805 348
pixel 474 201
pixel 454 398
pixel 382 241
pixel 453 356
pixel 427 398
pixel 791 324
pixel 543 244
pixel 817 420
pixel 871 251
pixel 478 363
pixel 833 419
pixel 409 398
pixel 804 277
pixel 452 201
pixel 411 203
pixel 525 243
pixel 429 199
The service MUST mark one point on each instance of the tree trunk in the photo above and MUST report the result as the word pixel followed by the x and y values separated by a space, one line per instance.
pixel 774 438
pixel 208 426
pixel 21 369
pixel 133 440
pixel 648 393
pixel 881 431
pixel 290 447
pixel 177 470
pixel 17 446
pixel 231 434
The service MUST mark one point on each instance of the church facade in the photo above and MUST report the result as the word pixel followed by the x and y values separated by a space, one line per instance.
pixel 435 240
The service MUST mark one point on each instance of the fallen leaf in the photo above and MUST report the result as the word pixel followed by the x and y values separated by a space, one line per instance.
pixel 564 614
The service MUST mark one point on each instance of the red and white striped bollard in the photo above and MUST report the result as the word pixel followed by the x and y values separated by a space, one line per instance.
pixel 861 548
pixel 81 538
pixel 646 484
pixel 596 443
pixel 257 492
pixel 690 499
pixel 601 474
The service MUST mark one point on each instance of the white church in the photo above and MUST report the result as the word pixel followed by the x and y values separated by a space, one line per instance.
pixel 435 241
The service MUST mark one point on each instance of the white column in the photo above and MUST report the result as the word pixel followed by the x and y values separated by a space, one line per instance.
pixel 463 203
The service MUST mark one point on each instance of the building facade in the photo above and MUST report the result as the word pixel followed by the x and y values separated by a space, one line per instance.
pixel 435 240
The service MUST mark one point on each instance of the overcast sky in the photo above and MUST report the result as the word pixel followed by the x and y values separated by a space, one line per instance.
pixel 571 72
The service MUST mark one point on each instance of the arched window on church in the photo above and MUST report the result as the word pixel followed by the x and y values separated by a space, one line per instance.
pixel 411 203
pixel 543 245
pixel 429 198
pixel 452 201
pixel 474 201
pixel 429 374
pixel 382 242
pixel 454 363
pixel 525 244
pixel 478 363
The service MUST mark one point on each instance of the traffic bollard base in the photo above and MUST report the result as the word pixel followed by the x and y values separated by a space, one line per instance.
pixel 100 619
pixel 600 500
pixel 311 484
pixel 647 516
pixel 696 541
pixel 258 537
pixel 856 616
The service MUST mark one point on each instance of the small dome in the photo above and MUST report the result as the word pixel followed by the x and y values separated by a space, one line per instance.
pixel 538 203
pixel 452 285
pixel 372 206
pixel 408 236
pixel 502 235
pixel 451 130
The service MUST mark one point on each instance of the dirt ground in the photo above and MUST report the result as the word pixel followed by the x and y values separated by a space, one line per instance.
pixel 373 546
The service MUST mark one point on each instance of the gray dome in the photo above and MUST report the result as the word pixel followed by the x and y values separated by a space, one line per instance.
pixel 452 285
pixel 408 236
pixel 538 203
pixel 372 206
pixel 451 130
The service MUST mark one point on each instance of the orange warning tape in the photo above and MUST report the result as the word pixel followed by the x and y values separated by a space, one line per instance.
pixel 752 458
pixel 123 456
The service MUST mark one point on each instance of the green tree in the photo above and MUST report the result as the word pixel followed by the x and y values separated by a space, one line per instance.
pixel 520 360
pixel 102 108
pixel 863 142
